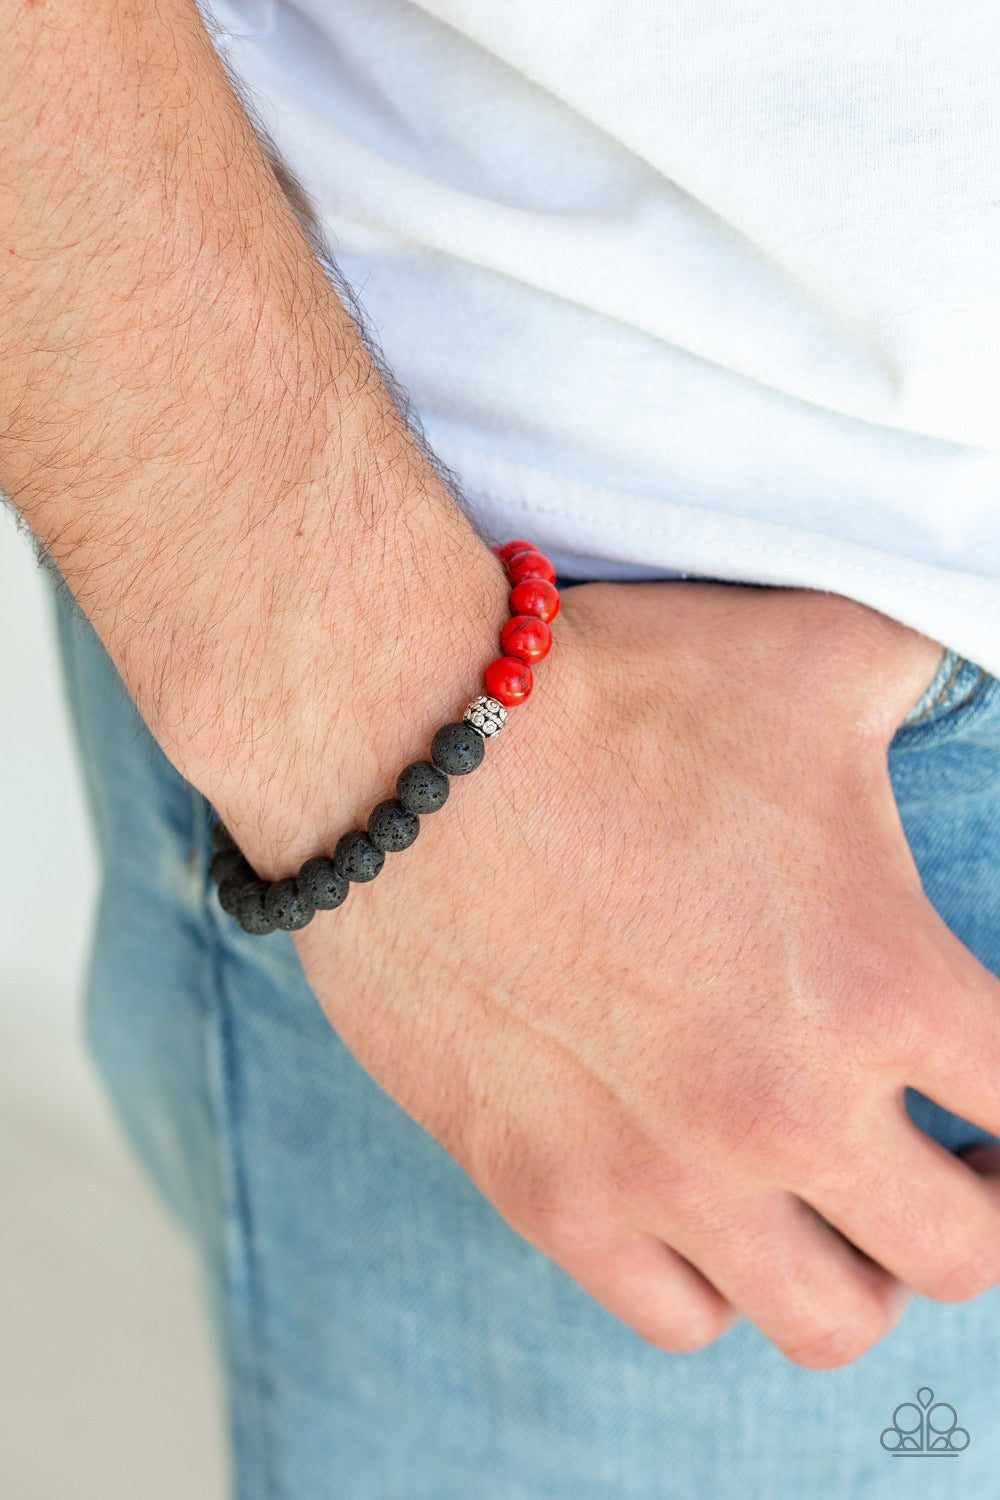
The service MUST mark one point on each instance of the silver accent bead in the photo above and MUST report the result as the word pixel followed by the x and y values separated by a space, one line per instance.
pixel 486 716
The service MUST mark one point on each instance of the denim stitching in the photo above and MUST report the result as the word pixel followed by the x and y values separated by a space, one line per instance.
pixel 246 1360
pixel 982 698
pixel 959 664
pixel 974 689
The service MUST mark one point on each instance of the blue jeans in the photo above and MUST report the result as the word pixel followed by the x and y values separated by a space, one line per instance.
pixel 384 1334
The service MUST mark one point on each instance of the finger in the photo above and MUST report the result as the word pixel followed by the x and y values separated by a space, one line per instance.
pixel 818 1299
pixel 917 1210
pixel 650 1287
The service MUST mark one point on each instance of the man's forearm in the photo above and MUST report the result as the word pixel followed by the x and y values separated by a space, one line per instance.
pixel 153 274
pixel 188 420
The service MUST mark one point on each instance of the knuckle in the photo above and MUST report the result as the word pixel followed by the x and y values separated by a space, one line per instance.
pixel 767 1103
pixel 831 1343
pixel 554 1227
pixel 696 1330
pixel 529 1189
pixel 767 1118
pixel 737 1102
pixel 556 1222
pixel 969 1277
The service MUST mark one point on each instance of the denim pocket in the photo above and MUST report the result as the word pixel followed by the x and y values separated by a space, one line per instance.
pixel 960 690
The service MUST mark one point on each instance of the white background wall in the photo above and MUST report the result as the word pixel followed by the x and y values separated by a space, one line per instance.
pixel 107 1384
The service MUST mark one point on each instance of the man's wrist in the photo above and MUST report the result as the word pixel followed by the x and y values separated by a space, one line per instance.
pixel 198 437
pixel 352 686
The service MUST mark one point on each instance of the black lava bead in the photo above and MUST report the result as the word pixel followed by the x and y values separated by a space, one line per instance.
pixel 421 787
pixel 391 827
pixel 252 914
pixel 231 895
pixel 286 907
pixel 457 749
pixel 356 857
pixel 221 837
pixel 229 864
pixel 319 883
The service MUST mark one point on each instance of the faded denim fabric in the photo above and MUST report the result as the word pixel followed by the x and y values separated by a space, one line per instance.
pixel 384 1334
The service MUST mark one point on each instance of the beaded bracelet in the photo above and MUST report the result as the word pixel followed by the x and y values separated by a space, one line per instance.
pixel 262 906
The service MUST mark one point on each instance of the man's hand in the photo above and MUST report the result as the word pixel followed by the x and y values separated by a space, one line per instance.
pixel 659 972
pixel 658 975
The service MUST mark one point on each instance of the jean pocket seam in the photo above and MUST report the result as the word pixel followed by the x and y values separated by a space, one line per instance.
pixel 980 696
pixel 935 704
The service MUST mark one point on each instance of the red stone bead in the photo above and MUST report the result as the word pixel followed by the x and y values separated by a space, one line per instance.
pixel 508 680
pixel 507 549
pixel 526 549
pixel 530 564
pixel 534 596
pixel 526 637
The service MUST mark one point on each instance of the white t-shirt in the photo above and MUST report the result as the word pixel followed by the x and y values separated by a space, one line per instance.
pixel 678 286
